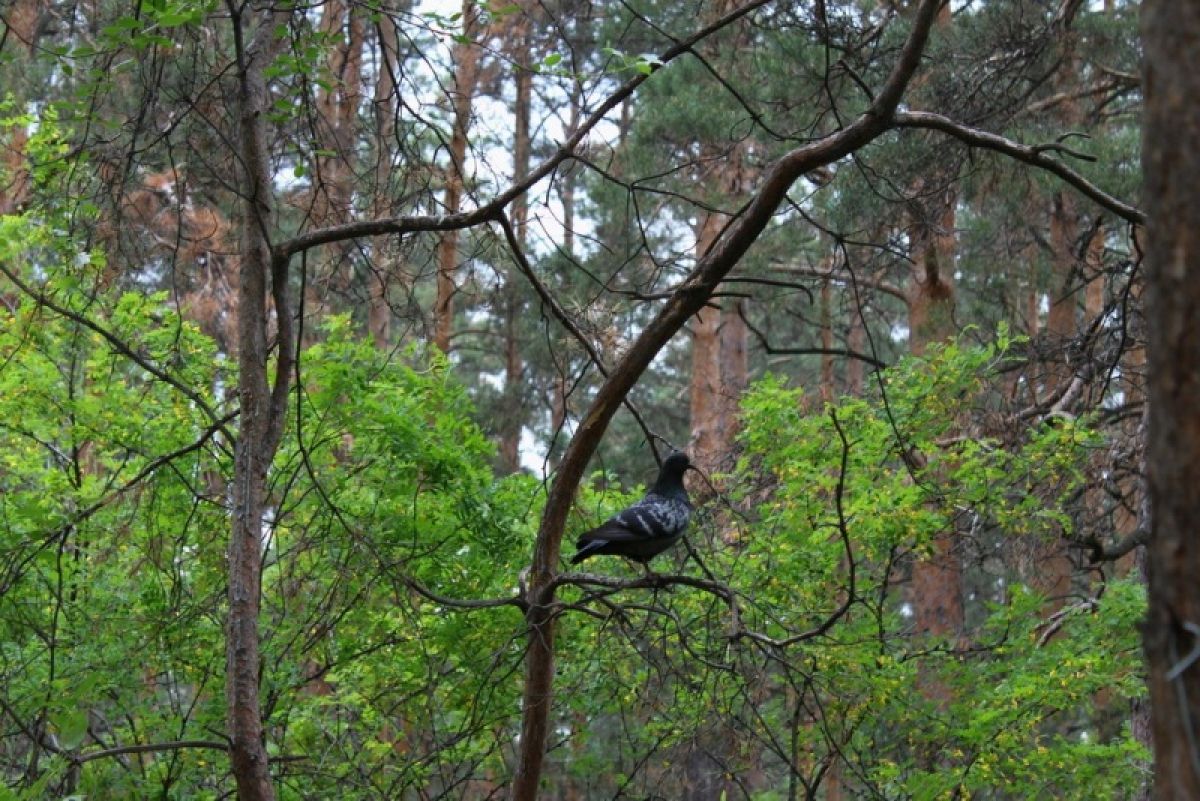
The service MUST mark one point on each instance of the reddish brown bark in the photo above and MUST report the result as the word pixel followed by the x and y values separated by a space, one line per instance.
pixel 1044 563
pixel 379 312
pixel 20 21
pixel 937 578
pixel 1171 166
pixel 514 364
pixel 931 292
pixel 825 301
pixel 466 75
pixel 706 444
pixel 1061 321
pixel 720 335
pixel 856 341
pixel 337 105
pixel 735 373
pixel 1093 262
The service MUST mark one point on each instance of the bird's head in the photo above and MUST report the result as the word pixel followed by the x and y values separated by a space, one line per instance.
pixel 670 477
pixel 677 463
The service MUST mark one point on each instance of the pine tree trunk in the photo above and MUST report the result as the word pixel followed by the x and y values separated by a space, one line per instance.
pixel 825 302
pixel 1061 321
pixel 1171 166
pixel 856 341
pixel 1093 294
pixel 466 75
pixel 379 312
pixel 937 579
pixel 931 297
pixel 705 388
pixel 734 374
pixel 20 21
pixel 514 365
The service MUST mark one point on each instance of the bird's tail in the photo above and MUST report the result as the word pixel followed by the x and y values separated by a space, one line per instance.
pixel 586 549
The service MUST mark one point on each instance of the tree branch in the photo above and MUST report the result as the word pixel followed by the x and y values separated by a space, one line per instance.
pixel 1033 155
pixel 690 296
pixel 148 748
pixel 1099 552
pixel 843 278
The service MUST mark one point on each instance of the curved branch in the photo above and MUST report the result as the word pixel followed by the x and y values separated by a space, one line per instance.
pixel 886 287
pixel 148 748
pixel 1034 155
pixel 652 581
pixel 462 603
pixel 771 350
pixel 1099 552
pixel 690 296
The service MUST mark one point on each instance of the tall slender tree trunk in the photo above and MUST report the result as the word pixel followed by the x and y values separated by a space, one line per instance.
pixel 931 296
pixel 337 105
pixel 856 341
pixel 1062 318
pixel 1171 165
pixel 379 312
pixel 466 75
pixel 734 368
pixel 261 410
pixel 705 387
pixel 514 364
pixel 568 181
pixel 826 312
pixel 719 336
pixel 936 579
pixel 1093 261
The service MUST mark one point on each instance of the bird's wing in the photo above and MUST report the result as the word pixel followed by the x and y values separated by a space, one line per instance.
pixel 649 518
pixel 610 531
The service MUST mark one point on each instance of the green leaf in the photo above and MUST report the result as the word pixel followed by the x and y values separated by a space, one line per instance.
pixel 71 726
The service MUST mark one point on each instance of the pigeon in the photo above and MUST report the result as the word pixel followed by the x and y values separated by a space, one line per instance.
pixel 650 526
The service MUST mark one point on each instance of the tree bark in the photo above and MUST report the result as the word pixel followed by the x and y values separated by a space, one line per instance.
pixel 937 579
pixel 856 341
pixel 705 387
pixel 466 75
pixel 379 312
pixel 931 295
pixel 262 410
pixel 1171 166
pixel 826 312
pixel 514 364
pixel 21 21
pixel 1062 318
pixel 735 374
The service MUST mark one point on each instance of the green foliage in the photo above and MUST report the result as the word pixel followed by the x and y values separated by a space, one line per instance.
pixel 115 515
pixel 90 503
pixel 383 502
pixel 1032 691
